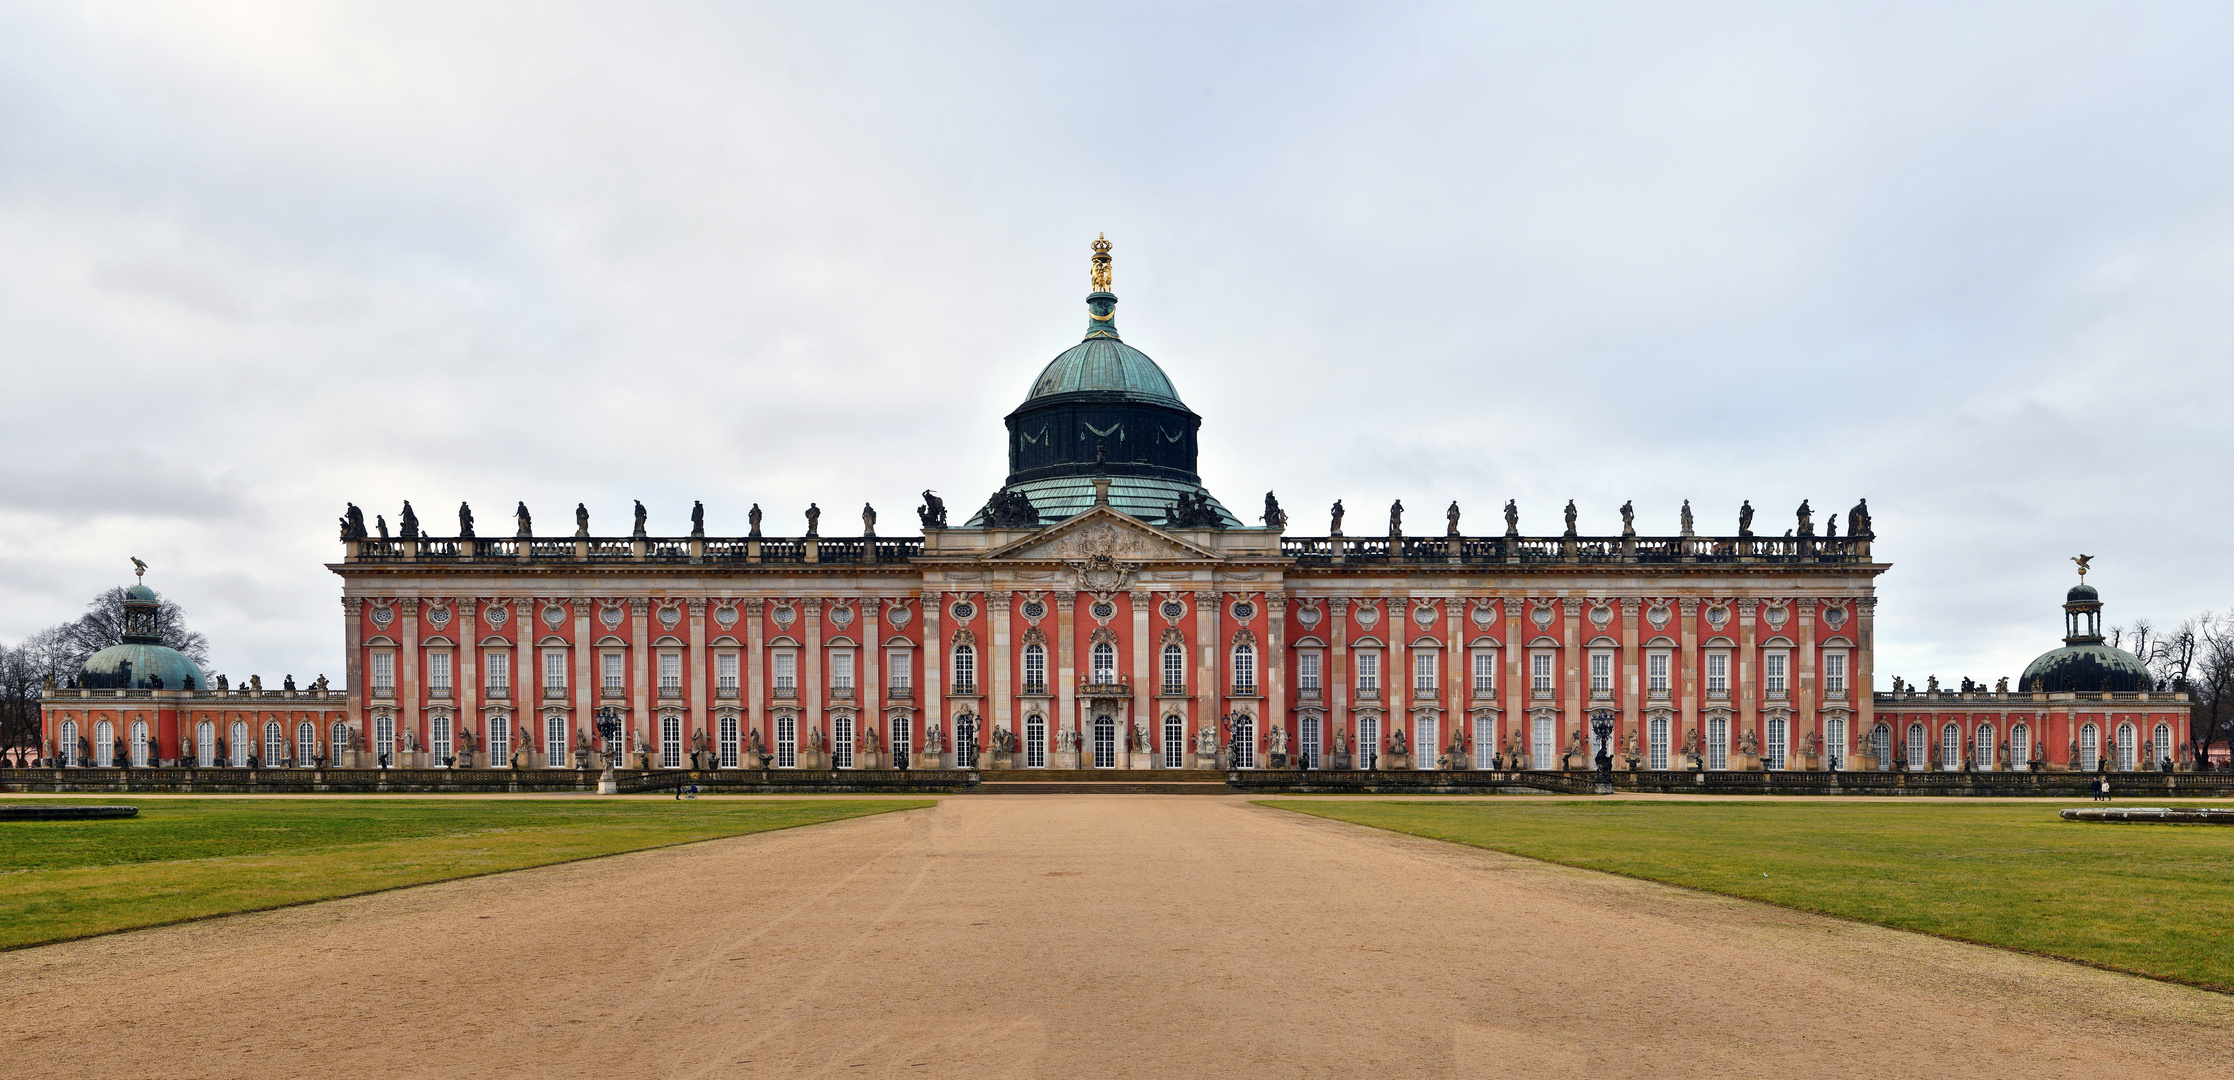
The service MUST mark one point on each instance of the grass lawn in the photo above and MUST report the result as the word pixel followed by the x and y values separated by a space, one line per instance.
pixel 2155 900
pixel 192 858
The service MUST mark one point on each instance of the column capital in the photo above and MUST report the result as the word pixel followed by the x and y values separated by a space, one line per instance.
pixel 1572 606
pixel 410 605
pixel 813 606
pixel 1066 602
pixel 352 605
pixel 696 607
pixel 1340 605
pixel 1629 607
pixel 999 597
pixel 1805 605
pixel 1687 606
pixel 1747 607
pixel 639 606
pixel 755 607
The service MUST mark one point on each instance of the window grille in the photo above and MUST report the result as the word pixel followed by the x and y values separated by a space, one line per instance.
pixel 2020 746
pixel 384 672
pixel 69 747
pixel 902 731
pixel 1601 673
pixel 965 668
pixel 500 742
pixel 1881 747
pixel 337 739
pixel 1244 742
pixel 1035 741
pixel 725 672
pixel 1368 742
pixel 1539 672
pixel 1834 744
pixel 1427 745
pixel 1718 673
pixel 1485 673
pixel 1919 749
pixel 1306 672
pixel 670 673
pixel 1104 660
pixel 899 670
pixel 1244 668
pixel 1543 743
pixel 1175 742
pixel 306 744
pixel 1656 743
pixel 554 670
pixel 1950 749
pixel 498 664
pixel 1982 747
pixel 2090 748
pixel 1105 742
pixel 1035 668
pixel 104 745
pixel 1779 735
pixel 1307 743
pixel 1834 673
pixel 841 672
pixel 440 742
pixel 1423 671
pixel 554 742
pixel 275 743
pixel 787 674
pixel 2160 746
pixel 205 741
pixel 238 745
pixel 139 744
pixel 1485 742
pixel 965 741
pixel 1718 742
pixel 1369 672
pixel 787 742
pixel 614 677
pixel 726 741
pixel 438 672
pixel 2125 748
pixel 1773 672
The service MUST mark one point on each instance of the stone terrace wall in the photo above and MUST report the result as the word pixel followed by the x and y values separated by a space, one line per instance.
pixel 407 781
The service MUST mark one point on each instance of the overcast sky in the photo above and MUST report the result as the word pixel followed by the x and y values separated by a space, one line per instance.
pixel 1970 261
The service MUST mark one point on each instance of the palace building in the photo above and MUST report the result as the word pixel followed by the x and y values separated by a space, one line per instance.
pixel 1103 609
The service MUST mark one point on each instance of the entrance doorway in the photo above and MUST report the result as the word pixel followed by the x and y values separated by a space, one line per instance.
pixel 1105 742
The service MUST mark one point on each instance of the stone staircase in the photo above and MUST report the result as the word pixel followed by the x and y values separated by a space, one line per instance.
pixel 1101 782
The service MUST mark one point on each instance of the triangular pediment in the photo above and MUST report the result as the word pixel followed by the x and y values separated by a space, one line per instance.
pixel 1104 533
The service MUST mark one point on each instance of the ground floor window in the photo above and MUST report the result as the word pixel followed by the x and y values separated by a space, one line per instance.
pixel 1542 743
pixel 1656 743
pixel 1424 748
pixel 841 742
pixel 1718 742
pixel 1175 742
pixel 2020 747
pixel 2090 749
pixel 1308 729
pixel 2125 748
pixel 440 744
pixel 1368 741
pixel 1485 742
pixel 1881 747
pixel 787 742
pixel 500 741
pixel 69 741
pixel 554 742
pixel 2160 747
pixel 1779 735
pixel 1035 741
pixel 339 739
pixel 1919 749
pixel 670 742
pixel 1105 742
pixel 306 744
pixel 965 741
pixel 139 744
pixel 1244 742
pixel 903 736
pixel 1982 747
pixel 275 743
pixel 237 749
pixel 205 742
pixel 104 745
pixel 725 742
pixel 1834 743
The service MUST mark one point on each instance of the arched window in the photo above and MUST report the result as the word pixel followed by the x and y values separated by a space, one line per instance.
pixel 1718 743
pixel 1427 741
pixel 965 741
pixel 275 744
pixel 1834 744
pixel 1035 669
pixel 1950 749
pixel 2160 747
pixel 841 741
pixel 1656 744
pixel 1244 669
pixel 1485 741
pixel 498 753
pixel 69 744
pixel 439 744
pixel 1175 742
pixel 205 744
pixel 2090 748
pixel 1919 749
pixel 237 747
pixel 1035 741
pixel 554 742
pixel 1175 669
pixel 1779 737
pixel 1881 747
pixel 1104 664
pixel 670 741
pixel 1369 740
pixel 1244 739
pixel 306 745
pixel 1543 742
pixel 338 740
pixel 1983 749
pixel 725 740
pixel 1105 742
pixel 139 744
pixel 2020 747
pixel 965 668
pixel 104 745
pixel 2125 748
pixel 787 742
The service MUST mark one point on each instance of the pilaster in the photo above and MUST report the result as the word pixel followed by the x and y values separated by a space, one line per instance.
pixel 1571 721
pixel 1632 690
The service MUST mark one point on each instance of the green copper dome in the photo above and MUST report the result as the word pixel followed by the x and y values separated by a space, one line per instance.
pixel 140 666
pixel 1104 364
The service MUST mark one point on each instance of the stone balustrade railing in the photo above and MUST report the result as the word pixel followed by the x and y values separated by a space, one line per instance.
pixel 634 549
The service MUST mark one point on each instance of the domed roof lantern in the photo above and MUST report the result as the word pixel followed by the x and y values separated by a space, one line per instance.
pixel 142 661
pixel 2085 664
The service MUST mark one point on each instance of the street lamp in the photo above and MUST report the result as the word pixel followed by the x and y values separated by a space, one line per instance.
pixel 1601 725
pixel 609 729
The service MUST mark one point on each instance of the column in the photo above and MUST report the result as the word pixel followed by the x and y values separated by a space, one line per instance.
pixel 1338 672
pixel 1749 699
pixel 1066 665
pixel 1861 683
pixel 585 675
pixel 1688 684
pixel 756 659
pixel 871 689
pixel 640 687
pixel 1000 611
pixel 469 678
pixel 1571 721
pixel 1632 689
pixel 408 691
pixel 1275 664
pixel 352 673
pixel 934 654
pixel 811 704
pixel 698 688
pixel 1803 692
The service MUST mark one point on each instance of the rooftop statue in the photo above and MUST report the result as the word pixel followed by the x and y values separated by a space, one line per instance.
pixel 1857 520
pixel 1450 518
pixel 1274 517
pixel 524 521
pixel 1192 511
pixel 933 510
pixel 382 521
pixel 1335 524
pixel 1628 518
pixel 1512 517
pixel 289 684
pixel 353 524
pixel 581 519
pixel 697 518
pixel 868 520
pixel 410 522
pixel 814 520
pixel 1012 509
pixel 1830 526
pixel 753 518
pixel 465 522
pixel 2085 563
pixel 1687 517
pixel 1570 517
pixel 1807 519
pixel 1100 275
pixel 1396 518
pixel 639 518
pixel 1745 519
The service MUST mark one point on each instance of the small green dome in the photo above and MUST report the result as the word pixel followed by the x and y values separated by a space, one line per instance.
pixel 136 666
pixel 142 592
pixel 1104 364
pixel 2082 593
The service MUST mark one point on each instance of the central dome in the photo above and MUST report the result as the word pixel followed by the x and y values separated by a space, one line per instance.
pixel 1104 365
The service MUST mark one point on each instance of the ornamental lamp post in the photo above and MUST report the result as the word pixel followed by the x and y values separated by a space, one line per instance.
pixel 608 729
pixel 1601 726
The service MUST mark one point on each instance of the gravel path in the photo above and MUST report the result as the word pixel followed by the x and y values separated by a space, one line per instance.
pixel 1075 936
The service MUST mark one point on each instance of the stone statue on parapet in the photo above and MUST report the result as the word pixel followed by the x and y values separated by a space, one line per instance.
pixel 1274 517
pixel 1687 517
pixel 1011 509
pixel 1745 519
pixel 1830 526
pixel 1450 519
pixel 1857 521
pixel 581 519
pixel 814 520
pixel 1628 518
pixel 933 511
pixel 752 518
pixel 525 522
pixel 697 518
pixel 639 530
pixel 1512 517
pixel 868 520
pixel 1192 511
pixel 409 521
pixel 1334 524
pixel 353 524
pixel 288 684
pixel 465 522
pixel 1570 517
pixel 1806 514
pixel 1396 518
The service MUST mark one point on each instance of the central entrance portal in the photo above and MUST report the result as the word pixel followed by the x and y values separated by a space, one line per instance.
pixel 1105 742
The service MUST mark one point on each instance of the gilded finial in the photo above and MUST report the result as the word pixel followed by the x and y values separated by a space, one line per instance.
pixel 139 569
pixel 2083 561
pixel 1101 262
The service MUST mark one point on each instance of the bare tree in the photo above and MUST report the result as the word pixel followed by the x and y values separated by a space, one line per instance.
pixel 102 625
pixel 24 671
pixel 2211 686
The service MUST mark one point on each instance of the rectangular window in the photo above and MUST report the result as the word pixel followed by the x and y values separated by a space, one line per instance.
pixel 383 673
pixel 1369 672
pixel 1773 667
pixel 440 732
pixel 841 742
pixel 841 672
pixel 500 742
pixel 670 673
pixel 1104 662
pixel 1834 673
pixel 787 674
pixel 1307 673
pixel 438 671
pixel 1035 669
pixel 965 668
pixel 612 670
pixel 1718 743
pixel 1307 740
pixel 1423 671
pixel 554 670
pixel 1244 668
pixel 1543 744
pixel 1175 669
pixel 670 742
pixel 726 741
pixel 1718 673
pixel 1539 672
pixel 498 663
pixel 903 737
pixel 1485 742
pixel 725 671
pixel 1656 672
pixel 1601 673
pixel 1485 673
pixel 1656 743
pixel 554 740
pixel 787 742
pixel 899 670
pixel 1035 741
